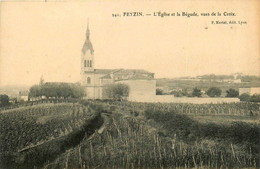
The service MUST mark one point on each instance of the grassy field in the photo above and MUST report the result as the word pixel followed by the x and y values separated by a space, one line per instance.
pixel 153 135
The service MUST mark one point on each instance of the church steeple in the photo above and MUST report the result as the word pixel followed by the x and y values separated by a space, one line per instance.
pixel 87 45
pixel 87 32
pixel 87 55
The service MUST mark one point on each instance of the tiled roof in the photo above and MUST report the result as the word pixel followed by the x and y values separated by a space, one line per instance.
pixel 133 71
pixel 105 71
pixel 123 71
pixel 124 74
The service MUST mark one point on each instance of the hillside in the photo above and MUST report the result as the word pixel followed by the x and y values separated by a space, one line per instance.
pixel 30 134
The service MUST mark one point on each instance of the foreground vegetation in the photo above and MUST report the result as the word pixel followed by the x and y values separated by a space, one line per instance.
pixel 29 135
pixel 154 135
pixel 139 135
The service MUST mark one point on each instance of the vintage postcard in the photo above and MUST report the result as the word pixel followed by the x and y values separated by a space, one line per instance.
pixel 129 84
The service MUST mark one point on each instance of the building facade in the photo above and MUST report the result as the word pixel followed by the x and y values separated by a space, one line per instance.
pixel 141 83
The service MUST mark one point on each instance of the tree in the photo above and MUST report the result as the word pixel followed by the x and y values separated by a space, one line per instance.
pixel 244 97
pixel 214 92
pixel 196 92
pixel 57 90
pixel 232 93
pixel 116 91
pixel 4 100
pixel 77 91
pixel 35 91
pixel 159 92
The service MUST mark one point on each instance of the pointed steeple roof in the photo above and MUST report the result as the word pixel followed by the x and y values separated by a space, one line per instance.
pixel 87 45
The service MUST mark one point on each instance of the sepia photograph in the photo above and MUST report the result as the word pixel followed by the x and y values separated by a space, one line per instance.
pixel 145 84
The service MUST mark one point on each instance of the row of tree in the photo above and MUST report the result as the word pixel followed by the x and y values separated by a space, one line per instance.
pixel 70 90
pixel 215 92
pixel 196 92
pixel 56 90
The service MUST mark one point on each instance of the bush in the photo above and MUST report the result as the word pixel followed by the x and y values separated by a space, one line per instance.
pixel 214 92
pixel 196 92
pixel 159 92
pixel 232 93
pixel 255 98
pixel 244 97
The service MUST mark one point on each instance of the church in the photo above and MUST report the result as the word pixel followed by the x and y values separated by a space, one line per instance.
pixel 142 84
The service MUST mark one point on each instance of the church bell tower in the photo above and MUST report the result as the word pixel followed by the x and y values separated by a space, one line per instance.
pixel 87 55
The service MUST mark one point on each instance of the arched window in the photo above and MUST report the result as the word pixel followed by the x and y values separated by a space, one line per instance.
pixel 88 80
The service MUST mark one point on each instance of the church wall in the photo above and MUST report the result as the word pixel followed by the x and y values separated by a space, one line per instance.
pixel 94 79
pixel 93 89
pixel 140 89
pixel 87 56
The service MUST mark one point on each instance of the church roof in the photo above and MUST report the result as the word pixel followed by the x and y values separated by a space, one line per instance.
pixel 121 71
pixel 87 46
pixel 124 74
pixel 105 71
pixel 106 77
pixel 133 71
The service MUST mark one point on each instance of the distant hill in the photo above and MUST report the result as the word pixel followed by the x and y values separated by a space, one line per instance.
pixel 224 82
pixel 13 90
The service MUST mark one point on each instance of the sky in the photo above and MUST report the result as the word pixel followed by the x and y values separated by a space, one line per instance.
pixel 46 38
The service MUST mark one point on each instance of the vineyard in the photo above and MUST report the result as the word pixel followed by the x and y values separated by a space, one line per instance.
pixel 162 136
pixel 24 129
pixel 133 135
